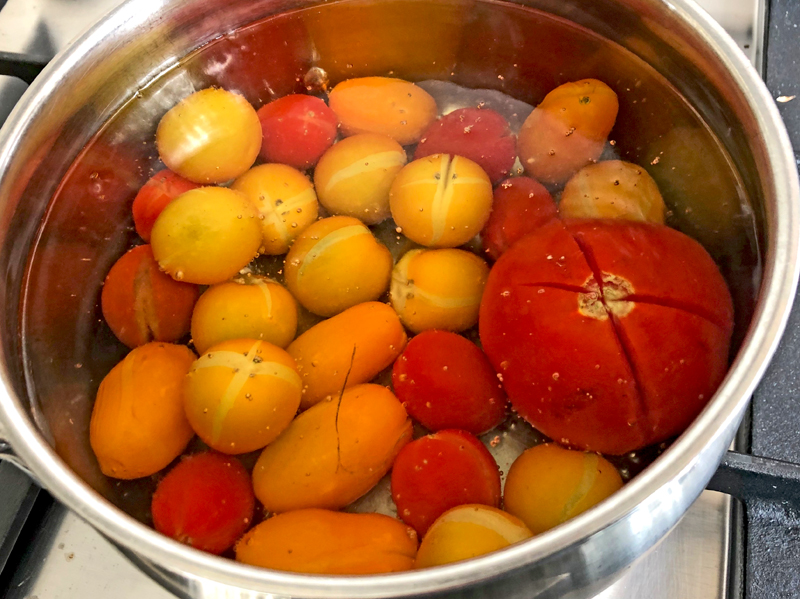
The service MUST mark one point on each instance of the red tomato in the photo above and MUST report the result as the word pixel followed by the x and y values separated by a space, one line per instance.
pixel 441 471
pixel 520 206
pixel 206 501
pixel 610 335
pixel 480 134
pixel 141 304
pixel 445 381
pixel 153 197
pixel 297 130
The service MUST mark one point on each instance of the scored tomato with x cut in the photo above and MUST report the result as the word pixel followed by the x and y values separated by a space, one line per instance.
pixel 609 335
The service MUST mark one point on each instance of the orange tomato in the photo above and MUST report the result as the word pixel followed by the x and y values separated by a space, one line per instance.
pixel 613 189
pixel 337 263
pixel 354 345
pixel 383 105
pixel 323 542
pixel 138 425
pixel 334 452
pixel 441 200
pixel 567 130
pixel 241 394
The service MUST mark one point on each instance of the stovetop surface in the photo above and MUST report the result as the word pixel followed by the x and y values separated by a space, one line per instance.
pixel 58 556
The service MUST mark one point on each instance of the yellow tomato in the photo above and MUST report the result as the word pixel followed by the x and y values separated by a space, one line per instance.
pixel 335 264
pixel 334 452
pixel 469 531
pixel 548 485
pixel 383 105
pixel 138 425
pixel 206 235
pixel 285 200
pixel 241 394
pixel 441 200
pixel 248 307
pixel 354 176
pixel 613 189
pixel 325 542
pixel 211 136
pixel 438 289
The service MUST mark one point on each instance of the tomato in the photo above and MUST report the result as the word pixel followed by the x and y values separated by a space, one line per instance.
pixel 350 348
pixel 138 425
pixel 206 502
pixel 140 303
pixel 548 485
pixel 520 206
pixel 612 189
pixel 482 135
pixel 445 381
pixel 438 289
pixel 296 130
pixel 247 307
pixel 609 335
pixel 211 136
pixel 285 201
pixel 335 264
pixel 441 201
pixel 442 471
pixel 160 190
pixel 353 178
pixel 206 236
pixel 567 130
pixel 334 452
pixel 241 394
pixel 383 105
pixel 325 542
pixel 468 531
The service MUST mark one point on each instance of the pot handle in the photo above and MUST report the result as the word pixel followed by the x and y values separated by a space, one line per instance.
pixel 21 66
pixel 7 455
pixel 748 477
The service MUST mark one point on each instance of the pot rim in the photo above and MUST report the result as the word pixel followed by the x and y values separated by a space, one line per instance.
pixel 780 276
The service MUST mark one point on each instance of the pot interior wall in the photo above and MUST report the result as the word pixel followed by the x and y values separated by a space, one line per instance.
pixel 711 191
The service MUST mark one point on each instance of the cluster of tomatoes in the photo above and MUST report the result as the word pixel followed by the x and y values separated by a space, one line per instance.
pixel 604 328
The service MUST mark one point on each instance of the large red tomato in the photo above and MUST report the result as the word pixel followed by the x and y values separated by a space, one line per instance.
pixel 609 335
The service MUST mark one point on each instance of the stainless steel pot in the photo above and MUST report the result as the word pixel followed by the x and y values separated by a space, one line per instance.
pixel 87 83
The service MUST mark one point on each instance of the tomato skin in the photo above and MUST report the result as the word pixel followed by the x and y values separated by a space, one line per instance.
pixel 296 130
pixel 446 381
pixel 441 471
pixel 480 134
pixel 520 206
pixel 206 502
pixel 153 197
